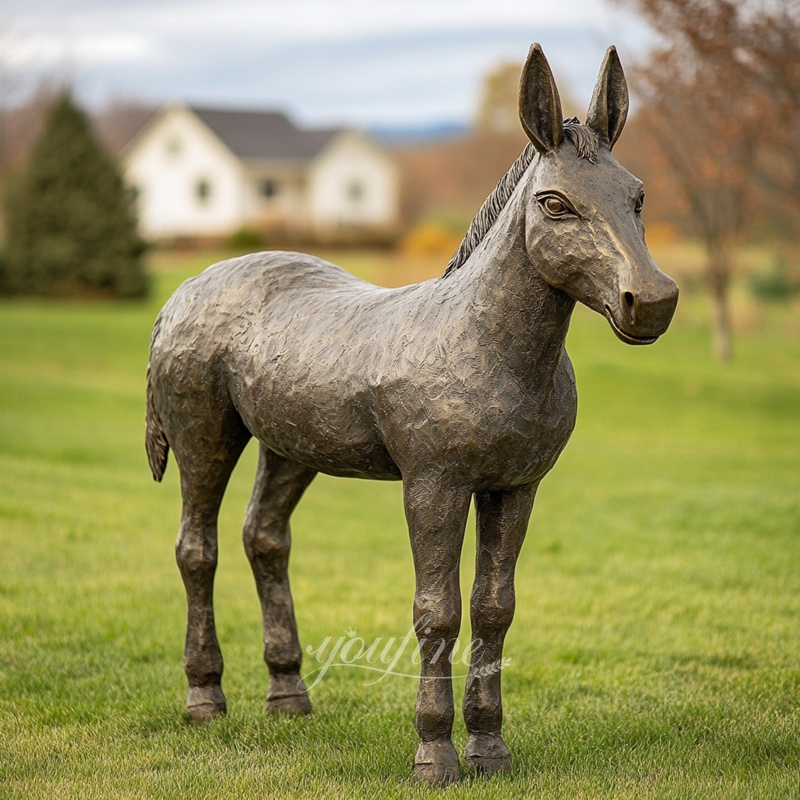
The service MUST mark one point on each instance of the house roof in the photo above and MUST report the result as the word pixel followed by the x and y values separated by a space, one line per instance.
pixel 264 134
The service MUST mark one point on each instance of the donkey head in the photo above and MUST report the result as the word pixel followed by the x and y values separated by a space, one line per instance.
pixel 583 228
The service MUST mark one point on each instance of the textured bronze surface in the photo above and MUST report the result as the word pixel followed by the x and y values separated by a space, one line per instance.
pixel 459 386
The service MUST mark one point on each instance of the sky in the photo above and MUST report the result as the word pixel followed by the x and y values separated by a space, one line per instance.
pixel 362 62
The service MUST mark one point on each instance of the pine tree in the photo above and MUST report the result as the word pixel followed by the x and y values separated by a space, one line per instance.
pixel 71 226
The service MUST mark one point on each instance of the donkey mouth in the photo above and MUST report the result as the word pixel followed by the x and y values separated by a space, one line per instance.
pixel 628 338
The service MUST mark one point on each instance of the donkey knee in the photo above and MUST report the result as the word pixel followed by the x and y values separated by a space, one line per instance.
pixel 270 544
pixel 436 619
pixel 493 610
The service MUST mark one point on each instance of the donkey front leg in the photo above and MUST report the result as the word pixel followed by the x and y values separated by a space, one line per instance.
pixel 436 515
pixel 502 521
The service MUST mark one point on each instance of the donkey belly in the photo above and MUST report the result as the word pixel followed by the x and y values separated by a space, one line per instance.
pixel 327 426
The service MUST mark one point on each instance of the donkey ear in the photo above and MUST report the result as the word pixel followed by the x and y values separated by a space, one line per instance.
pixel 609 107
pixel 539 103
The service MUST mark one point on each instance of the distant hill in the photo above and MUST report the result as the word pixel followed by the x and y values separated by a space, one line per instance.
pixel 411 135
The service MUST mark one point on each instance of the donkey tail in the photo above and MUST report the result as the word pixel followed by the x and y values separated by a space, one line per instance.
pixel 155 441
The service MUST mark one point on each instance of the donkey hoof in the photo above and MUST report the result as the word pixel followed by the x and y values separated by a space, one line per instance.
pixel 436 763
pixel 203 703
pixel 288 695
pixel 298 704
pixel 487 753
pixel 490 766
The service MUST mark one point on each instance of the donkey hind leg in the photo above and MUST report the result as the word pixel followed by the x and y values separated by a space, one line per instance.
pixel 206 455
pixel 436 515
pixel 279 485
pixel 502 521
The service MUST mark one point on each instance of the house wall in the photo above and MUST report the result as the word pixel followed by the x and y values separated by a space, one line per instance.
pixel 286 208
pixel 353 184
pixel 167 166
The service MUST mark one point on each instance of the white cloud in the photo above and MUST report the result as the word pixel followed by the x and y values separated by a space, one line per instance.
pixel 115 48
pixel 287 20
pixel 359 61
pixel 322 19
pixel 102 50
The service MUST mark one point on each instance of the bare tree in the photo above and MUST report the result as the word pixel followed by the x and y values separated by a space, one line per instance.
pixel 772 63
pixel 498 104
pixel 721 98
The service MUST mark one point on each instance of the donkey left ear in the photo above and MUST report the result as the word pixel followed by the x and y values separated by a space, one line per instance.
pixel 539 103
pixel 609 107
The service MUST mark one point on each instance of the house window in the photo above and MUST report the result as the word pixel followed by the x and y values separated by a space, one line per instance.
pixel 269 189
pixel 355 191
pixel 202 191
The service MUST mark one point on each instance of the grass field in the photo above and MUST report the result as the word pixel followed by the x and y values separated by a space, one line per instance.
pixel 656 647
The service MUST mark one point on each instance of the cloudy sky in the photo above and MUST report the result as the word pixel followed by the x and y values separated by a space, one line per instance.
pixel 365 62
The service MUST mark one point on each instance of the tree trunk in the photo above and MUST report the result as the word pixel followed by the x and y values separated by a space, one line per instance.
pixel 721 324
pixel 718 279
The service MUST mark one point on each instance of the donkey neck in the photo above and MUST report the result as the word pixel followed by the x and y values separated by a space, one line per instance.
pixel 514 310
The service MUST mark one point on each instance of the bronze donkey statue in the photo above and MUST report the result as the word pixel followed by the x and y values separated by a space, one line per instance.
pixel 459 386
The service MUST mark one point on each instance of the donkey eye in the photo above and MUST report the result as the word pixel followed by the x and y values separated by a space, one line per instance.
pixel 639 203
pixel 556 206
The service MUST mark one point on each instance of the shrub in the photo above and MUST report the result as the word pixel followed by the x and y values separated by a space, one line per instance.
pixel 431 239
pixel 246 239
pixel 775 285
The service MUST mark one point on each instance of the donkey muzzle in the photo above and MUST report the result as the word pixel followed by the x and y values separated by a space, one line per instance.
pixel 641 317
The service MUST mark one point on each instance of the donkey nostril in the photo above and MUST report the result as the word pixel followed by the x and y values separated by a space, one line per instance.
pixel 629 301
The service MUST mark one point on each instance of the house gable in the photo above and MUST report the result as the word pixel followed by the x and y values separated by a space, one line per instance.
pixel 187 181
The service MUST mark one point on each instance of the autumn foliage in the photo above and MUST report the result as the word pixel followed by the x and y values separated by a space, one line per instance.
pixel 719 121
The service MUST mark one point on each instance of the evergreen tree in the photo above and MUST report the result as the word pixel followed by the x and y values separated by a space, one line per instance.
pixel 71 226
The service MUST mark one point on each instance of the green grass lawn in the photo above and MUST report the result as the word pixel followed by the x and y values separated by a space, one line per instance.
pixel 656 647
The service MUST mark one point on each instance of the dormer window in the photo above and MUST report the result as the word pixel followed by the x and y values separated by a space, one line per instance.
pixel 173 147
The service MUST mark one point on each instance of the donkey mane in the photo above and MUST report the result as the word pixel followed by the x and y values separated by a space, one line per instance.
pixel 586 143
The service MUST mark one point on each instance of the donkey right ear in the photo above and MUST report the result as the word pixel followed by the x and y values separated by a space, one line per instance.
pixel 608 108
pixel 539 103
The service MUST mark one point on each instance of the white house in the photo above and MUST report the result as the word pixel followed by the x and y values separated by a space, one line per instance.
pixel 200 172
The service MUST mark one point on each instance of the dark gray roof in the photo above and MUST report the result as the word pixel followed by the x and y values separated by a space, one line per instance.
pixel 264 134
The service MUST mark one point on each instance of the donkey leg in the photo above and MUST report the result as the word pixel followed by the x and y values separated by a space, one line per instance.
pixel 267 538
pixel 436 515
pixel 204 475
pixel 502 519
